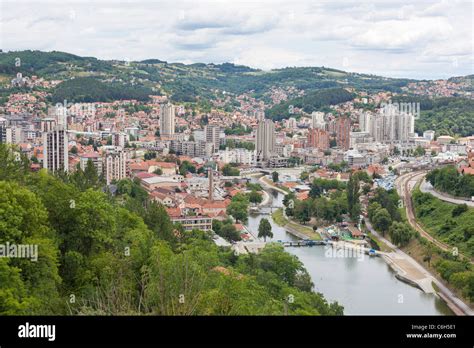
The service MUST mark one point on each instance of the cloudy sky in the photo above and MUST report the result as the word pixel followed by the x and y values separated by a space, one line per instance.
pixel 418 39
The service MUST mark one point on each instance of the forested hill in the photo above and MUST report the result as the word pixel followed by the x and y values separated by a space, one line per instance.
pixel 184 82
pixel 313 101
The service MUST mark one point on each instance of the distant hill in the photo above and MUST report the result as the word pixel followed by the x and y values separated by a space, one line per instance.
pixel 89 89
pixel 187 83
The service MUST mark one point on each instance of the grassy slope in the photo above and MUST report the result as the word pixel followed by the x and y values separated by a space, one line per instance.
pixel 282 221
pixel 434 214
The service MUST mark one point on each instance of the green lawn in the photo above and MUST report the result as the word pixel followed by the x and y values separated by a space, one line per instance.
pixel 308 231
pixel 282 221
pixel 279 218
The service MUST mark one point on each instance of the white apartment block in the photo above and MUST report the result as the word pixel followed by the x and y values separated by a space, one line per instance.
pixel 55 149
pixel 167 120
pixel 265 143
pixel 240 156
pixel 115 166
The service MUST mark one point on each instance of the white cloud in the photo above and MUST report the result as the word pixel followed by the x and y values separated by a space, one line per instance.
pixel 395 38
pixel 403 34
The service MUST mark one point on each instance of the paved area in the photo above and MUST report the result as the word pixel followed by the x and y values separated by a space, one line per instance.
pixel 428 188
pixel 248 247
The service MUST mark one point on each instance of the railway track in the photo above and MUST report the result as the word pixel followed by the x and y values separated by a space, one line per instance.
pixel 405 192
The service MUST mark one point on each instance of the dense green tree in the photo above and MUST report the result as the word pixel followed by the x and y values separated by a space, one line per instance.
pixel 186 167
pixel 353 188
pixel 372 209
pixel 302 211
pixel 30 282
pixel 419 151
pixel 229 232
pixel 459 209
pixel 388 200
pixel 13 164
pixel 255 197
pixel 216 225
pixel 238 207
pixel 265 229
pixel 400 233
pixel 275 177
pixel 228 170
pixel 449 180
pixel 254 187
pixel 158 220
pixel 382 220
pixel 288 198
pixel 149 155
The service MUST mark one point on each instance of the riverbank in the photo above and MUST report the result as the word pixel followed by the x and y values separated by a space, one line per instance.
pixel 270 184
pixel 298 230
pixel 411 270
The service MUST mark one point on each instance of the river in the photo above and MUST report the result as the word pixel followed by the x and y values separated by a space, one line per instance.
pixel 364 287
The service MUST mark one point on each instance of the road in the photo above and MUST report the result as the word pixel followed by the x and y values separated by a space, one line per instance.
pixel 405 184
pixel 428 188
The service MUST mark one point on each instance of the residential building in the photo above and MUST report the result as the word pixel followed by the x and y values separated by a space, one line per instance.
pixel 55 149
pixel 167 120
pixel 429 135
pixel 318 138
pixel 115 166
pixel 343 130
pixel 237 155
pixel 317 119
pixel 265 143
pixel 212 135
pixel 189 223
pixel 95 158
pixel 192 148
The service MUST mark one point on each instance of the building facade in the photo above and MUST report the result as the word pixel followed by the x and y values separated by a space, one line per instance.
pixel 212 135
pixel 167 120
pixel 318 138
pixel 55 149
pixel 115 166
pixel 343 130
pixel 265 143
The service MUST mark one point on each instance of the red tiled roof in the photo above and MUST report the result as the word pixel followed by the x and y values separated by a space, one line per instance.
pixel 215 204
pixel 174 212
pixel 145 175
pixel 469 171
pixel 139 166
pixel 166 164
pixel 289 184
pixel 302 195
